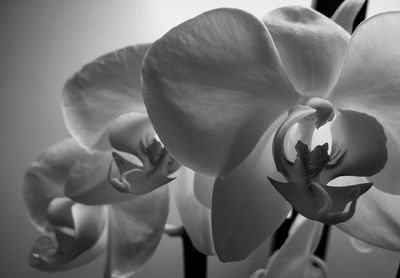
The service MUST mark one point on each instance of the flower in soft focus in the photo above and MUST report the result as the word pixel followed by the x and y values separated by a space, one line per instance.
pixel 295 258
pixel 241 99
pixel 68 188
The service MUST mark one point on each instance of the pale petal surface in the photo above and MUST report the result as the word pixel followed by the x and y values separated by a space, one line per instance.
pixel 101 91
pixel 45 178
pixel 212 86
pixel 246 209
pixel 203 188
pixel 376 220
pixel 135 230
pixel 370 82
pixel 347 13
pixel 196 218
pixel 311 46
pixel 87 182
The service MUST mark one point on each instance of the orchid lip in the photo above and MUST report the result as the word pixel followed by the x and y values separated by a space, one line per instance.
pixel 306 189
pixel 157 167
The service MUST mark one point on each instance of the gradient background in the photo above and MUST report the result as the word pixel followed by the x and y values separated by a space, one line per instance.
pixel 42 43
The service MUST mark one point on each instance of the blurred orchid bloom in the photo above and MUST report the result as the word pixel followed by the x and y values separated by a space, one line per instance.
pixel 295 258
pixel 240 100
pixel 76 233
pixel 104 111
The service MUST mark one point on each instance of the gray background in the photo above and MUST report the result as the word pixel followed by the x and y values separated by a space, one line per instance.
pixel 42 43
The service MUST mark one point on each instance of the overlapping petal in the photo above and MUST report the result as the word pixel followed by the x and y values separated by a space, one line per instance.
pixel 312 47
pixel 203 188
pixel 135 230
pixel 196 218
pixel 79 236
pixel 87 182
pixel 101 91
pixel 45 178
pixel 370 82
pixel 246 209
pixel 361 141
pixel 295 258
pixel 221 65
pixel 347 12
pixel 376 220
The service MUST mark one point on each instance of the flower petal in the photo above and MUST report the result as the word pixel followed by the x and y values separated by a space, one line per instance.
pixel 196 218
pixel 44 180
pixel 135 229
pixel 295 258
pixel 311 46
pixel 76 245
pixel 212 86
pixel 87 182
pixel 246 209
pixel 100 92
pixel 376 220
pixel 370 82
pixel 360 246
pixel 203 188
pixel 347 13
pixel 363 142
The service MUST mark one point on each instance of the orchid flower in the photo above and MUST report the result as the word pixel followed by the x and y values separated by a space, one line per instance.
pixel 295 258
pixel 243 101
pixel 68 190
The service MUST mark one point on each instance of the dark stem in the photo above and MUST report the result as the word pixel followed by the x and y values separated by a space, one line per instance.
pixel 195 263
pixel 323 243
pixel 282 233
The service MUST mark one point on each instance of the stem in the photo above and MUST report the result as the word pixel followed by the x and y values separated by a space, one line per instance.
pixel 323 243
pixel 282 233
pixel 195 263
pixel 398 272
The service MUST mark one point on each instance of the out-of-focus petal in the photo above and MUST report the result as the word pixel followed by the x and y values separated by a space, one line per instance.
pixel 246 209
pixel 203 188
pixel 87 182
pixel 360 246
pixel 101 91
pixel 79 242
pixel 196 218
pixel 347 13
pixel 312 47
pixel 362 141
pixel 135 230
pixel 131 132
pixel 295 259
pixel 370 82
pixel 45 178
pixel 212 86
pixel 376 219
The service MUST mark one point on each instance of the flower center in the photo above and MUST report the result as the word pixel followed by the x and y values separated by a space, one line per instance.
pixel 306 188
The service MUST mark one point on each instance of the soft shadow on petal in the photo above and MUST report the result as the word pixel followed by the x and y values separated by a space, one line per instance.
pixel 100 92
pixel 203 188
pixel 246 209
pixel 347 13
pixel 72 246
pixel 88 183
pixel 131 132
pixel 360 246
pixel 370 82
pixel 376 219
pixel 312 47
pixel 135 229
pixel 362 140
pixel 45 178
pixel 196 218
pixel 212 86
